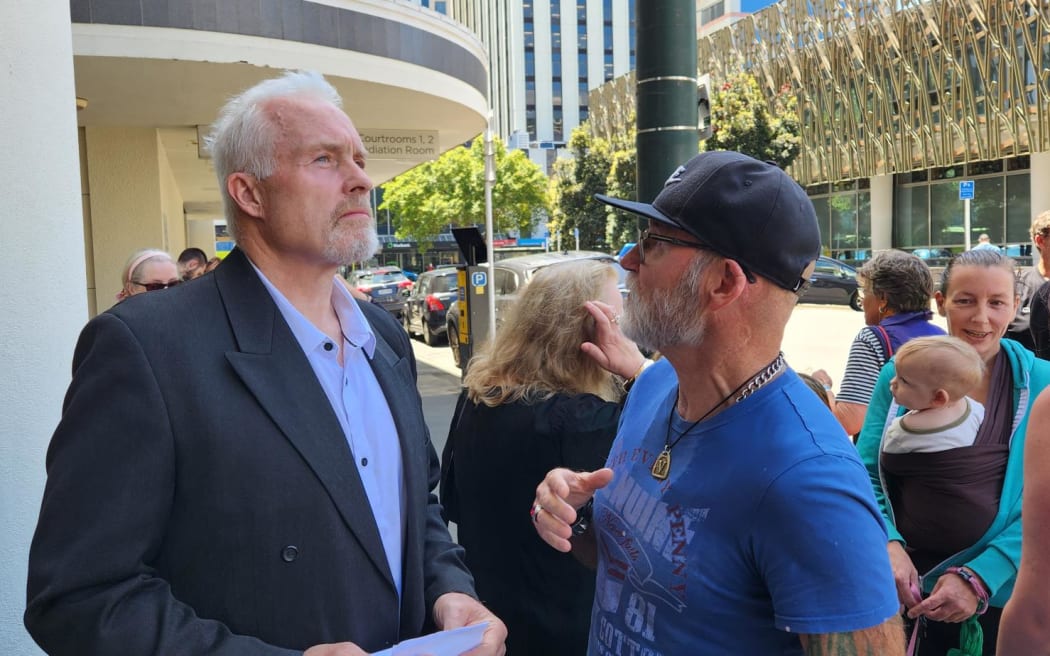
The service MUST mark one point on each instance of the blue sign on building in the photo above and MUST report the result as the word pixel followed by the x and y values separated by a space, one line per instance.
pixel 965 189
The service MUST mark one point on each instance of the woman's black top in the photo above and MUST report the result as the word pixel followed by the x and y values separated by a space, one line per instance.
pixel 493 461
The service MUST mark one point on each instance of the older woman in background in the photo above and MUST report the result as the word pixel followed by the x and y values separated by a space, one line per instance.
pixel 147 271
pixel 955 546
pixel 534 401
pixel 897 288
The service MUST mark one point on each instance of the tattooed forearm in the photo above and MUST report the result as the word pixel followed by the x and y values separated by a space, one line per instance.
pixel 886 639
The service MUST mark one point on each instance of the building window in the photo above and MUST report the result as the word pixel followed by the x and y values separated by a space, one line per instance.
pixel 929 216
pixel 712 12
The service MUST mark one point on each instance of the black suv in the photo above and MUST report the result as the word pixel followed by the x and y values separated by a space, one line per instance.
pixel 427 303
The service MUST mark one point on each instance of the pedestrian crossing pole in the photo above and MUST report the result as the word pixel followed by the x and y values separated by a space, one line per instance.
pixel 666 91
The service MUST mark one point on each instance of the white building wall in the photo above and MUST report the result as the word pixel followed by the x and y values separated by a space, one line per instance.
pixel 43 295
pixel 595 45
pixel 544 115
pixel 881 212
pixel 570 76
pixel 621 39
pixel 1040 191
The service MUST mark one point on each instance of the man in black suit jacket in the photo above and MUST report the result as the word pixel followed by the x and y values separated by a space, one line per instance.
pixel 203 496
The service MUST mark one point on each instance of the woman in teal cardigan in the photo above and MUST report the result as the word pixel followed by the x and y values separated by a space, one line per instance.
pixel 954 516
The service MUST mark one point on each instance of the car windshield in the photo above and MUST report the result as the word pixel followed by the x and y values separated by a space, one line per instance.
pixel 444 283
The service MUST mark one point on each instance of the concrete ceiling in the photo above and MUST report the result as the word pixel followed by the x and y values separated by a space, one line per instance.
pixel 177 96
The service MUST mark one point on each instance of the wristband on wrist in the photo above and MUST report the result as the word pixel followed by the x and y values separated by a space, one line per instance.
pixel 629 383
pixel 978 587
pixel 583 518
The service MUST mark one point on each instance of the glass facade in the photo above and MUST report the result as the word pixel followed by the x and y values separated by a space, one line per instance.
pixel 844 213
pixel 929 215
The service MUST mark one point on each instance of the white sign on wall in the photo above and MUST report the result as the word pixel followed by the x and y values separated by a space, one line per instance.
pixel 404 145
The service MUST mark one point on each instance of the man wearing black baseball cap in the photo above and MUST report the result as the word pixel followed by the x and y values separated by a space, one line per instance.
pixel 734 516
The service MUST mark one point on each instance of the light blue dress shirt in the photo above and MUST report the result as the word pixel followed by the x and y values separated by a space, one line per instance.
pixel 359 404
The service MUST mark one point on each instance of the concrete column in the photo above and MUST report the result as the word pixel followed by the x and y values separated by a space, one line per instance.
pixel 127 209
pixel 43 296
pixel 881 212
pixel 1040 191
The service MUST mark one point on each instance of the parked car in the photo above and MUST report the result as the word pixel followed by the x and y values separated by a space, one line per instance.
pixel 427 302
pixel 833 282
pixel 509 278
pixel 383 285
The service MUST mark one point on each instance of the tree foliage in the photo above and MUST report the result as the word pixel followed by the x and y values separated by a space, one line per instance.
pixel 743 119
pixel 596 167
pixel 451 190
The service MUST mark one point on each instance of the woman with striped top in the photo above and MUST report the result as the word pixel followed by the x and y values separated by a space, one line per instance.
pixel 896 289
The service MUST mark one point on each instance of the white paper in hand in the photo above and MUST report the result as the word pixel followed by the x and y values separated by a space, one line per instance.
pixel 443 643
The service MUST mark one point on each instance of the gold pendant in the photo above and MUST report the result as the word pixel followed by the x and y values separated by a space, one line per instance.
pixel 662 466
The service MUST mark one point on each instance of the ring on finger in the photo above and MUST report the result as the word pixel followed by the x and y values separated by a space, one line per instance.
pixel 535 513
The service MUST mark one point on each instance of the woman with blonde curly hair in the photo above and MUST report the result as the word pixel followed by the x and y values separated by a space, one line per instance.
pixel 533 401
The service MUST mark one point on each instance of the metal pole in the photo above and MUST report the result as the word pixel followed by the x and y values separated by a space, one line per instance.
pixel 966 222
pixel 666 91
pixel 490 180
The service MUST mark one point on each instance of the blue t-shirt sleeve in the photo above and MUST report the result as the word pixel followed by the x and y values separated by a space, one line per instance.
pixel 820 546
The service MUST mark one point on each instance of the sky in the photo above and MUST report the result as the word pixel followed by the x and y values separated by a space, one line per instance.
pixel 751 6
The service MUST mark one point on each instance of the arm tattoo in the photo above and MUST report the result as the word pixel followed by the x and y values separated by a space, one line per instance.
pixel 886 639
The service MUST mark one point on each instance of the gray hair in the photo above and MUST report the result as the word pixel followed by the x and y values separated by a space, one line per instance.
pixel 984 257
pixel 242 138
pixel 902 279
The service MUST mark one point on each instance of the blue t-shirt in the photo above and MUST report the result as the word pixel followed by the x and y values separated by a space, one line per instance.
pixel 766 527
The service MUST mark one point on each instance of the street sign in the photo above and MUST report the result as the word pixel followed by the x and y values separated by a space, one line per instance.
pixel 402 145
pixel 965 189
pixel 479 278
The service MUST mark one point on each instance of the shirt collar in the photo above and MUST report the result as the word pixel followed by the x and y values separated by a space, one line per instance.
pixel 355 328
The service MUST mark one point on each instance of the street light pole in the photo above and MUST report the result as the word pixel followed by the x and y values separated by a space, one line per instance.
pixel 666 91
pixel 490 180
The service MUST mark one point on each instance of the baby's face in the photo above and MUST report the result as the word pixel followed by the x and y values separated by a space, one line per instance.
pixel 910 389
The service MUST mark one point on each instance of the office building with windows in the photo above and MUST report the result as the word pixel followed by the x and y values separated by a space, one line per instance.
pixel 546 55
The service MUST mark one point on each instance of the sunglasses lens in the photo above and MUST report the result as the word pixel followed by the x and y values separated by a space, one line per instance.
pixel 156 286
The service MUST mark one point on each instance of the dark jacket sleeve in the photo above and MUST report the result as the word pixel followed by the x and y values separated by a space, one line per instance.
pixel 109 492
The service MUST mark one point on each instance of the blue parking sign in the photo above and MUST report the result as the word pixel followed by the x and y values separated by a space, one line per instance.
pixel 478 279
pixel 965 189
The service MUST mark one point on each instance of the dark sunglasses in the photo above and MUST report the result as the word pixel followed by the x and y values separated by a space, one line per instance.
pixel 647 239
pixel 155 286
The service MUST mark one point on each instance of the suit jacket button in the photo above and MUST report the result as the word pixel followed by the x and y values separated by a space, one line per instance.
pixel 289 553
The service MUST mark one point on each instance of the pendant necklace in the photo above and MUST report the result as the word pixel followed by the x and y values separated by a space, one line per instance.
pixel 662 465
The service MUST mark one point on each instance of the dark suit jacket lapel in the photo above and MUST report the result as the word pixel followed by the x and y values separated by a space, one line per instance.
pixel 273 366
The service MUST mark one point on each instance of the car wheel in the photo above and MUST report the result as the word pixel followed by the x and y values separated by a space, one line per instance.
pixel 453 342
pixel 854 301
pixel 429 338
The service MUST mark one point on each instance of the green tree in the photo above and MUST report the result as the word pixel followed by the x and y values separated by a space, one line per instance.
pixel 622 181
pixel 743 119
pixel 573 183
pixel 451 190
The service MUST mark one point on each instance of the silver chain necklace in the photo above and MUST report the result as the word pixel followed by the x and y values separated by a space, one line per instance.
pixel 662 466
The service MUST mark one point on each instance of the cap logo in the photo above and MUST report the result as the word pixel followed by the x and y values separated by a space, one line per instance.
pixel 675 177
